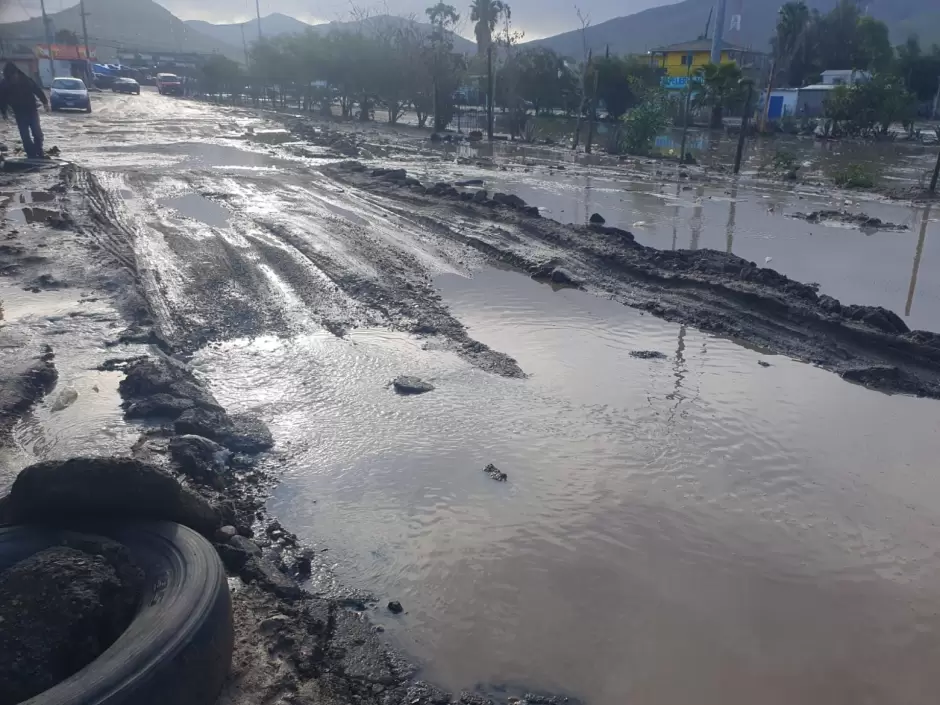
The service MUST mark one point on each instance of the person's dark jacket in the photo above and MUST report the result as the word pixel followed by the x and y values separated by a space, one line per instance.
pixel 19 93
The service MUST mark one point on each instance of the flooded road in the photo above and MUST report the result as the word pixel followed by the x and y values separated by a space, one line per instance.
pixel 695 529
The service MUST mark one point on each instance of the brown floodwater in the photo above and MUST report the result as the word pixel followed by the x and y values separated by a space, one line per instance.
pixel 699 529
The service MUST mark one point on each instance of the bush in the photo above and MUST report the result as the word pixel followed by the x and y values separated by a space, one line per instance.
pixel 642 125
pixel 855 176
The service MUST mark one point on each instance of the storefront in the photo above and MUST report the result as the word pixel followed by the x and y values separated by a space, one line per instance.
pixel 65 60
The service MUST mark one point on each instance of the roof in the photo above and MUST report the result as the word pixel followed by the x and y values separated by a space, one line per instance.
pixel 820 87
pixel 702 45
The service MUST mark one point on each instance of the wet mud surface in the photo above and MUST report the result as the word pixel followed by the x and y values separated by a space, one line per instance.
pixel 217 287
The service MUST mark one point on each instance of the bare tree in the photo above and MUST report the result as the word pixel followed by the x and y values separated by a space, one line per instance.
pixel 585 21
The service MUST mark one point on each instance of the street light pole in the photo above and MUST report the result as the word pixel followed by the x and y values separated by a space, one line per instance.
pixel 744 121
pixel 685 111
pixel 81 6
pixel 258 11
pixel 46 23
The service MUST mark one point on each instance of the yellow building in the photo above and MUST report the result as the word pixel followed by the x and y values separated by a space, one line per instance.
pixel 675 59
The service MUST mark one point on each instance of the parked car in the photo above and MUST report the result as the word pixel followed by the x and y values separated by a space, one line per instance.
pixel 126 85
pixel 169 84
pixel 69 93
pixel 104 81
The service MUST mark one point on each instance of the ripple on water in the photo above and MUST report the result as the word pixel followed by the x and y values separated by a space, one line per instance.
pixel 764 532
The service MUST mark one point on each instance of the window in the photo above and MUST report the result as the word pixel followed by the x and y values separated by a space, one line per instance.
pixel 68 84
pixel 686 59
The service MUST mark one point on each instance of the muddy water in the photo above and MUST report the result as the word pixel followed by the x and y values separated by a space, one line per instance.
pixel 699 529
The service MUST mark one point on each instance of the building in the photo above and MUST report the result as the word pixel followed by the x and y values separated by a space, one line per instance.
pixel 810 101
pixel 43 62
pixel 680 60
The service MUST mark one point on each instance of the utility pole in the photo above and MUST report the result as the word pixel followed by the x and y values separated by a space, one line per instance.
pixel 685 108
pixel 245 46
pixel 489 92
pixel 81 6
pixel 718 39
pixel 258 11
pixel 744 121
pixel 936 101
pixel 47 25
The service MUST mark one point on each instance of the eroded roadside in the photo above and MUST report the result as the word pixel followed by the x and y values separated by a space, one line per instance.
pixel 300 637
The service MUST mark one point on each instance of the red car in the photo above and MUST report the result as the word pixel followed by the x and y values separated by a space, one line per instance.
pixel 169 84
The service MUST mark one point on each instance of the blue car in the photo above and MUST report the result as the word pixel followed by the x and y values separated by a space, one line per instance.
pixel 69 94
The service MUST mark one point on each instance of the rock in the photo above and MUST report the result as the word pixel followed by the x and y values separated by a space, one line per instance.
pixel 21 388
pixel 202 460
pixel 436 138
pixel 159 376
pixel 157 406
pixel 495 473
pixel 597 219
pixel 232 557
pixel 762 363
pixel 469 182
pixel 226 534
pixel 60 609
pixel 480 196
pixel 563 276
pixel 213 424
pixel 274 624
pixel 246 544
pixel 412 385
pixel 876 317
pixel 508 199
pixel 648 355
pixel 60 492
pixel 395 607
pixel 395 175
pixel 64 400
pixel 248 434
pixel 263 573
pixel 532 211
pixel 475 136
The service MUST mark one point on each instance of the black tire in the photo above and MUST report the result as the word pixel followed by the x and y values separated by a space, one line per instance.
pixel 178 649
pixel 88 109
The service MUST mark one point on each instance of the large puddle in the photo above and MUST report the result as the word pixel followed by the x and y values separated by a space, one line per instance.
pixel 699 529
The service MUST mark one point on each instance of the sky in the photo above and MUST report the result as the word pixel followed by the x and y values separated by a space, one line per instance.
pixel 537 18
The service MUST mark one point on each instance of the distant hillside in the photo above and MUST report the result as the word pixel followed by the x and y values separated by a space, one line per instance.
pixel 127 24
pixel 278 24
pixel 273 25
pixel 683 21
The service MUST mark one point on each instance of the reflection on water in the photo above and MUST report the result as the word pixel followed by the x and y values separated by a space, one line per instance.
pixel 696 530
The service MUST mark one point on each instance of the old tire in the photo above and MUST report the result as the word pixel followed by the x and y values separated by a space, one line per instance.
pixel 178 649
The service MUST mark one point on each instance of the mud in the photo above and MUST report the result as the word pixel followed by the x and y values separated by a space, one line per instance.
pixel 859 220
pixel 713 291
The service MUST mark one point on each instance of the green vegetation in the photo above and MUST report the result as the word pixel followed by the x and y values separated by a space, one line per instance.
pixel 642 124
pixel 721 90
pixel 855 176
pixel 869 109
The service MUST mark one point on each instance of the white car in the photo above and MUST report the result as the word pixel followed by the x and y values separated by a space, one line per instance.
pixel 69 93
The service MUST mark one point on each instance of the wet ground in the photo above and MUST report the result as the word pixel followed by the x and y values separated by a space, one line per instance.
pixel 696 529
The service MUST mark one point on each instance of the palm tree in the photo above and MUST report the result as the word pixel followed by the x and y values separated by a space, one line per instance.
pixel 486 13
pixel 792 20
pixel 721 90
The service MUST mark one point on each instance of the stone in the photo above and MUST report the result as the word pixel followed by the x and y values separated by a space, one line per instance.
pixel 647 355
pixel 495 473
pixel 60 609
pixel 21 388
pixel 412 385
pixel 564 277
pixel 475 136
pixel 532 211
pixel 597 219
pixel 226 534
pixel 247 545
pixel 763 364
pixel 213 424
pixel 395 175
pixel 248 434
pixel 508 199
pixel 78 489
pixel 202 460
pixel 395 607
pixel 274 624
pixel 157 406
pixel 469 182
pixel 480 196
pixel 267 577
pixel 160 376
pixel 436 137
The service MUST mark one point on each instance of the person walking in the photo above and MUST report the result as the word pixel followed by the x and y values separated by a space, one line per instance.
pixel 19 92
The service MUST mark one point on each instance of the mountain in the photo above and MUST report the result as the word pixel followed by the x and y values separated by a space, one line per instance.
pixel 277 24
pixel 273 25
pixel 126 24
pixel 684 21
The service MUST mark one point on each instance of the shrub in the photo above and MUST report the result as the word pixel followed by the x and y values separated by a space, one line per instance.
pixel 642 125
pixel 855 176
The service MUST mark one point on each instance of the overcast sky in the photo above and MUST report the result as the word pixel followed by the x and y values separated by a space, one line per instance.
pixel 538 18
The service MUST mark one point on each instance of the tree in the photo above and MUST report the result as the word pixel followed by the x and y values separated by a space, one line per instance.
pixel 486 15
pixel 919 70
pixel 871 107
pixel 68 37
pixel 220 74
pixel 643 124
pixel 873 50
pixel 793 25
pixel 721 90
pixel 541 76
pixel 443 63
